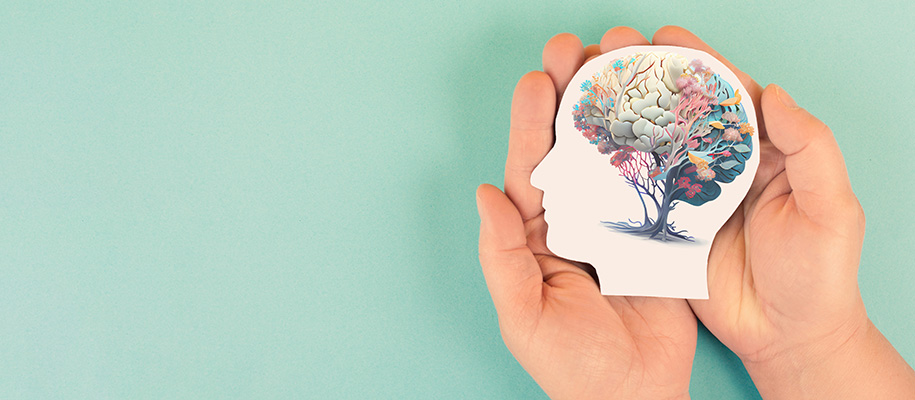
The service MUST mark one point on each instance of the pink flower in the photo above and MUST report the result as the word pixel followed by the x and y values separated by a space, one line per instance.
pixel 730 117
pixel 604 147
pixel 688 85
pixel 620 157
pixel 683 183
pixel 732 134
pixel 697 65
pixel 705 174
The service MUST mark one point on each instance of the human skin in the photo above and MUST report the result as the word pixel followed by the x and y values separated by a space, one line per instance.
pixel 783 283
pixel 576 343
pixel 782 271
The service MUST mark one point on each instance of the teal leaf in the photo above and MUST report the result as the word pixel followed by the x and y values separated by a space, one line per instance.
pixel 742 148
pixel 729 164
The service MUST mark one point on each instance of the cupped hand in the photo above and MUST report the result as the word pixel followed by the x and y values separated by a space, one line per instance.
pixel 576 343
pixel 782 272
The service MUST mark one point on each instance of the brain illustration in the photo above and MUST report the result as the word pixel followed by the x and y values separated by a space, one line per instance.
pixel 674 129
pixel 639 115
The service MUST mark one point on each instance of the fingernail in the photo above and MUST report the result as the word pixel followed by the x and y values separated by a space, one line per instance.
pixel 785 99
pixel 479 202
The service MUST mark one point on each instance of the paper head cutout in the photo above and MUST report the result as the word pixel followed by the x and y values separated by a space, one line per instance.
pixel 655 148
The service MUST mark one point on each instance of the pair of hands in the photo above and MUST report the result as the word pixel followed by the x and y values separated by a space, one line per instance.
pixel 782 271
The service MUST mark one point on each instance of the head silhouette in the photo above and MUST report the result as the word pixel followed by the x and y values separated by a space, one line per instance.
pixel 655 148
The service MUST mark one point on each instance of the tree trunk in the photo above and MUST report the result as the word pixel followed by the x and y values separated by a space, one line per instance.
pixel 658 229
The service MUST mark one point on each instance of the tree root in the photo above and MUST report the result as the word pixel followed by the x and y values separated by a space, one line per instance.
pixel 655 231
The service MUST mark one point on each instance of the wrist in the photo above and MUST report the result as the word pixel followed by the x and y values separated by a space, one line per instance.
pixel 795 371
pixel 857 365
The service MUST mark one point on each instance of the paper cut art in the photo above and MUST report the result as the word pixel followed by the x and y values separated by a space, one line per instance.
pixel 655 148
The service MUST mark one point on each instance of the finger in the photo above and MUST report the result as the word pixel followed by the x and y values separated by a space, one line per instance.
pixel 592 50
pixel 562 56
pixel 813 162
pixel 727 280
pixel 768 175
pixel 530 139
pixel 677 36
pixel 512 273
pixel 621 36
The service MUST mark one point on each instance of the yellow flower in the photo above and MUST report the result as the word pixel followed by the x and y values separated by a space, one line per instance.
pixel 747 128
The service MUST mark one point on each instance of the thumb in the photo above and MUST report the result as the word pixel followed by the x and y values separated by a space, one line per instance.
pixel 813 162
pixel 511 270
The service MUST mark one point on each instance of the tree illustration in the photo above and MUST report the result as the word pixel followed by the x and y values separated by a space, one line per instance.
pixel 674 132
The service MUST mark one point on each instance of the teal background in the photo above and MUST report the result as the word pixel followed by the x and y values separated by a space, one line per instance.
pixel 276 200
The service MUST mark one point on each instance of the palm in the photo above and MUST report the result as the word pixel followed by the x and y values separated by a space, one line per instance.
pixel 758 297
pixel 634 345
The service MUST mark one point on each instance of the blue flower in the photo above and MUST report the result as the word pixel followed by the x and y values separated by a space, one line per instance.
pixel 586 85
pixel 618 65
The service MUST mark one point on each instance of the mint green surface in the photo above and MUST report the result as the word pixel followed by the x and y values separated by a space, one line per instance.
pixel 276 200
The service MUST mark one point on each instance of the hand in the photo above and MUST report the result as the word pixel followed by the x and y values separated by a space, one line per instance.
pixel 783 288
pixel 576 343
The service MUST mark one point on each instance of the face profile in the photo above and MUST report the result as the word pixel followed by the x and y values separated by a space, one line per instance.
pixel 655 148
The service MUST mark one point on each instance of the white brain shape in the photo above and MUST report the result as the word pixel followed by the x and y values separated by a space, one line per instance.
pixel 643 108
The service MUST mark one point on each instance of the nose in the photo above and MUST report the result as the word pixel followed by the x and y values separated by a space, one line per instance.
pixel 540 176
